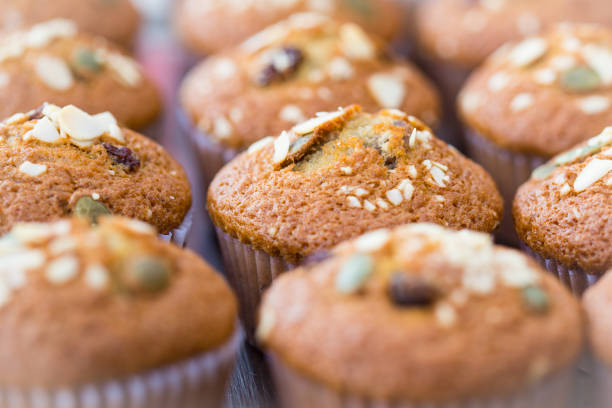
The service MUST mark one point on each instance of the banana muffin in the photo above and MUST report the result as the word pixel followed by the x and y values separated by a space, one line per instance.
pixel 210 26
pixel 536 99
pixel 335 177
pixel 116 20
pixel 53 62
pixel 289 72
pixel 55 162
pixel 88 317
pixel 597 302
pixel 421 316
pixel 456 36
pixel 563 213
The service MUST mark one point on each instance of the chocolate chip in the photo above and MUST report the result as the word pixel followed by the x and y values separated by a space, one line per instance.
pixel 283 63
pixel 406 290
pixel 123 156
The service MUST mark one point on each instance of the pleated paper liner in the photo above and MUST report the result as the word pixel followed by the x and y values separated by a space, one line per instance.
pixel 200 381
pixel 508 169
pixel 298 391
pixel 179 235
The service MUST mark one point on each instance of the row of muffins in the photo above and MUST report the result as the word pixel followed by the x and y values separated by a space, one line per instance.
pixel 310 153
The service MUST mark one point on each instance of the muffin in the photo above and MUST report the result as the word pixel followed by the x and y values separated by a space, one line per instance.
pixel 562 214
pixel 597 301
pixel 210 26
pixel 88 317
pixel 333 178
pixel 536 99
pixel 53 62
pixel 55 162
pixel 421 316
pixel 116 20
pixel 456 36
pixel 287 73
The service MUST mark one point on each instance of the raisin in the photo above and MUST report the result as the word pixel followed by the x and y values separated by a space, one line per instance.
pixel 37 113
pixel 123 156
pixel 283 63
pixel 411 291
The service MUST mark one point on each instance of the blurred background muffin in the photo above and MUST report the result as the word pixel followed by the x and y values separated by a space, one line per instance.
pixel 597 302
pixel 53 62
pixel 456 36
pixel 335 177
pixel 421 316
pixel 55 162
pixel 536 99
pixel 116 20
pixel 286 74
pixel 563 214
pixel 210 26
pixel 88 315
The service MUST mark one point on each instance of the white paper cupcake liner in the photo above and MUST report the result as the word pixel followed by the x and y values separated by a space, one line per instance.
pixel 604 385
pixel 200 381
pixel 179 235
pixel 211 155
pixel 508 169
pixel 298 391
pixel 576 279
pixel 249 272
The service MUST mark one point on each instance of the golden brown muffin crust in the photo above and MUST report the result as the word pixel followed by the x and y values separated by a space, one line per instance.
pixel 466 32
pixel 563 212
pixel 342 174
pixel 116 20
pixel 292 70
pixel 129 174
pixel 52 62
pixel 214 25
pixel 92 303
pixel 422 314
pixel 545 94
pixel 597 302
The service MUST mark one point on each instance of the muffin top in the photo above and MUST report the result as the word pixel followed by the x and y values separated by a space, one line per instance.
pixel 59 161
pixel 545 94
pixel 597 302
pixel 424 300
pixel 344 173
pixel 465 32
pixel 108 294
pixel 294 69
pixel 53 62
pixel 116 20
pixel 214 25
pixel 564 211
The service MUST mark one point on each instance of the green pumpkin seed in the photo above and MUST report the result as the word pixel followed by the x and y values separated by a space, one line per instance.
pixel 90 208
pixel 354 273
pixel 148 273
pixel 543 171
pixel 86 59
pixel 580 79
pixel 363 7
pixel 536 299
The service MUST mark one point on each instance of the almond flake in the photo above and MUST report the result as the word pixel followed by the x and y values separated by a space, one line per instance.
pixel 395 196
pixel 382 203
pixel 354 202
pixel 346 170
pixel 340 69
pixel 360 192
pixel 528 51
pixel 54 72
pixel 372 241
pixel 96 276
pixel 600 59
pixel 24 260
pixel 498 81
pixel 222 128
pixel 594 105
pixel 125 68
pixel 592 173
pixel 260 144
pixel 281 147
pixel 312 124
pixel 79 125
pixel 387 89
pixel 62 270
pixel 355 43
pixel 368 205
pixel 545 76
pixel 32 169
pixel 521 102
pixel 43 130
pixel 445 315
pixel 412 171
pixel 291 113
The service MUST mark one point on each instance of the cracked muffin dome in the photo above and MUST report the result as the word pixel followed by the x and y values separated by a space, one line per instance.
pixel 60 161
pixel 420 299
pixel 53 62
pixel 563 212
pixel 293 69
pixel 343 173
pixel 116 20
pixel 214 25
pixel 109 294
pixel 545 94
pixel 465 32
